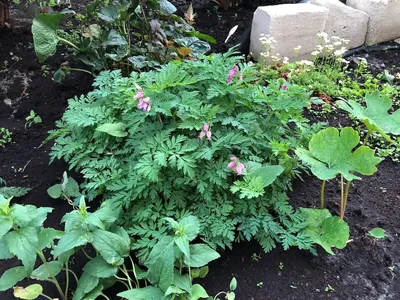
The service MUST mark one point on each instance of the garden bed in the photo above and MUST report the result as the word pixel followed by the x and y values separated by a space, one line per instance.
pixel 363 270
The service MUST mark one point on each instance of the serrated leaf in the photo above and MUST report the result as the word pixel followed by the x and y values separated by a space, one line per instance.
pixel 5 225
pixel 146 293
pixel 86 284
pixel 30 292
pixel 375 115
pixel 11 277
pixel 47 236
pixel 44 30
pixel 183 244
pixel 70 240
pixel 201 255
pixel 4 253
pixel 331 153
pixel 43 272
pixel 114 129
pixel 112 247
pixel 100 268
pixel 23 243
pixel 190 226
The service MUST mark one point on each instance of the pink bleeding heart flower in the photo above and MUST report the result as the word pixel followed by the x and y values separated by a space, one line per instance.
pixel 236 166
pixel 205 132
pixel 240 168
pixel 232 73
pixel 284 87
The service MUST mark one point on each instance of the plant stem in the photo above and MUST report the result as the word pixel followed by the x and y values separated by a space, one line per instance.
pixel 78 69
pixel 47 297
pixel 220 293
pixel 66 280
pixel 68 43
pixel 346 194
pixel 73 273
pixel 127 276
pixel 87 255
pixel 55 281
pixel 366 138
pixel 341 197
pixel 123 282
pixel 134 272
pixel 323 193
pixel 105 296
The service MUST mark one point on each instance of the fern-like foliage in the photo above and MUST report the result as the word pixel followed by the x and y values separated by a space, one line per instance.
pixel 13 191
pixel 153 164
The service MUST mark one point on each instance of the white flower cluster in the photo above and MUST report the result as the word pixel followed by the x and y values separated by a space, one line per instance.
pixel 334 46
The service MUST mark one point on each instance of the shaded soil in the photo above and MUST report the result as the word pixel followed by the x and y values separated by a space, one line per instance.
pixel 361 271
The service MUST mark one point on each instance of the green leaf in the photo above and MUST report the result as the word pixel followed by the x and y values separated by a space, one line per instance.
pixel 325 230
pixel 43 272
pixel 95 293
pixel 13 191
pixel 190 226
pixel 100 268
pixel 11 277
pixel 5 225
pixel 182 281
pixel 166 7
pixel 202 36
pixel 201 255
pixel 44 30
pixel 375 116
pixel 233 284
pixel 330 154
pixel 378 233
pixel 112 247
pixel 183 244
pixel 86 284
pixel 23 243
pixel 230 296
pixel 30 292
pixel 55 191
pixel 109 13
pixel 4 253
pixel 116 129
pixel 161 263
pixel 70 240
pixel 147 293
pixel 46 237
pixel 198 292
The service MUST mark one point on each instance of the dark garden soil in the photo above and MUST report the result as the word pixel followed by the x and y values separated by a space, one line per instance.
pixel 363 270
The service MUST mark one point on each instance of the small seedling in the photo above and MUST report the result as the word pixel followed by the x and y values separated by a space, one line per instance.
pixel 391 271
pixel 293 287
pixel 45 69
pixel 33 118
pixel 256 257
pixel 329 288
pixel 377 233
pixel 281 266
pixel 5 137
pixel 260 284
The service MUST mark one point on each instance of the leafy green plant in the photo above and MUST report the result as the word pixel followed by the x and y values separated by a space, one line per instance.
pixel 331 153
pixel 122 35
pixel 325 230
pixel 5 136
pixel 329 289
pixel 13 191
pixel 68 190
pixel 33 118
pixel 377 233
pixel 197 138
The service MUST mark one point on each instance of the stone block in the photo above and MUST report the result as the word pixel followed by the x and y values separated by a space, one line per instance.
pixel 384 20
pixel 345 22
pixel 291 25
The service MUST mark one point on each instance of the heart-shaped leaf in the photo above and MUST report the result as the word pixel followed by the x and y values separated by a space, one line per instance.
pixel 331 153
pixel 375 116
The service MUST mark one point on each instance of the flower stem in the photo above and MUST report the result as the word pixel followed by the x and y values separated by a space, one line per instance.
pixel 54 280
pixel 323 193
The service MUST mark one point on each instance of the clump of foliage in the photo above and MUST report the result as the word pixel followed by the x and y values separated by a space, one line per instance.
pixel 122 35
pixel 5 137
pixel 377 233
pixel 198 138
pixel 33 118
pixel 171 265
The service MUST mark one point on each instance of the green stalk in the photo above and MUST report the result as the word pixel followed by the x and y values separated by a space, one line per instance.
pixel 323 193
pixel 366 138
pixel 66 280
pixel 68 43
pixel 134 272
pixel 54 280
pixel 78 69
pixel 105 296
pixel 341 197
pixel 47 297
pixel 346 194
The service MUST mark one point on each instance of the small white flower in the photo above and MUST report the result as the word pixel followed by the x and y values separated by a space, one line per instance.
pixel 315 53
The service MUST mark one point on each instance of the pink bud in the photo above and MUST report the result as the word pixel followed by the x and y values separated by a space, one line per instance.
pixel 231 165
pixel 233 158
pixel 205 127
pixel 202 134
pixel 240 168
pixel 209 135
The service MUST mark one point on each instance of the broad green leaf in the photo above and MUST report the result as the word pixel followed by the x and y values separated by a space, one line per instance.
pixel 86 284
pixel 201 255
pixel 230 296
pixel 190 226
pixel 117 129
pixel 30 292
pixel 71 187
pixel 71 240
pixel 100 268
pixel 4 253
pixel 94 220
pixel 183 244
pixel 95 293
pixel 23 243
pixel 198 292
pixel 44 30
pixel 202 36
pixel 166 7
pixel 5 225
pixel 147 293
pixel 44 272
pixel 182 281
pixel 112 247
pixel 325 230
pixel 55 191
pixel 173 290
pixel 23 215
pixel 331 153
pixel 161 264
pixel 197 46
pixel 46 237
pixel 41 216
pixel 109 13
pixel 65 256
pixel 11 277
pixel 378 233
pixel 375 116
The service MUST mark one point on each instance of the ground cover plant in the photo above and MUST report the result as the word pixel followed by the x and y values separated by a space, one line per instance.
pixel 279 99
